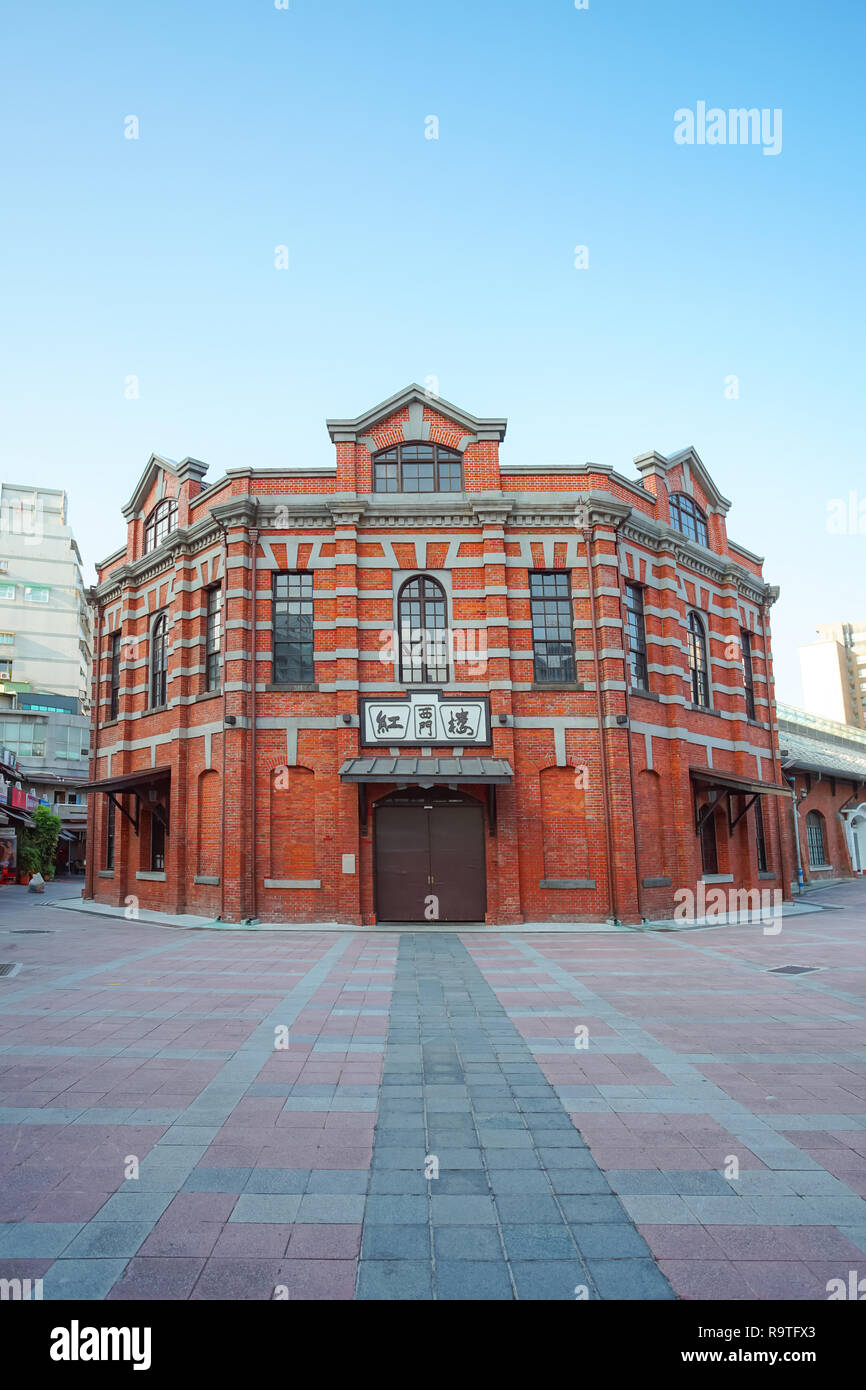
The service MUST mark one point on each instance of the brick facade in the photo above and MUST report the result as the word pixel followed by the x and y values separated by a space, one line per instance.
pixel 603 793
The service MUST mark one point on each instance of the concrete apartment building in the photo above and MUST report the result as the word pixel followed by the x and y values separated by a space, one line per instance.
pixel 834 673
pixel 46 739
pixel 45 658
pixel 46 641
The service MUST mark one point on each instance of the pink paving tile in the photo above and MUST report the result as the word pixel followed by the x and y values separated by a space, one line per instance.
pixel 198 1206
pixel 324 1242
pixel 821 1242
pixel 781 1279
pixel 149 1278
pixel 681 1243
pixel 318 1279
pixel 233 1279
pixel 706 1279
pixel 65 1206
pixel 192 1238
pixel 746 1243
pixel 252 1240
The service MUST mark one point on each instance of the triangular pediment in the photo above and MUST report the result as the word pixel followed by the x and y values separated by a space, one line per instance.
pixel 156 471
pixel 693 469
pixel 412 407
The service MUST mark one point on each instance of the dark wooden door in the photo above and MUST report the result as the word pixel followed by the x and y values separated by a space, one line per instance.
pixel 402 863
pixel 457 862
pixel 430 863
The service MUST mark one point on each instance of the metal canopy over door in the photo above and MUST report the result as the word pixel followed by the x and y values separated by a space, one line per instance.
pixel 429 855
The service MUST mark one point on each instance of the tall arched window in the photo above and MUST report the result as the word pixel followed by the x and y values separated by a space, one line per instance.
pixel 687 516
pixel 815 840
pixel 422 625
pixel 158 662
pixel 699 667
pixel 161 521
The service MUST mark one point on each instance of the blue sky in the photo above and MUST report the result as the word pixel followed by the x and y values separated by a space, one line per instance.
pixel 450 258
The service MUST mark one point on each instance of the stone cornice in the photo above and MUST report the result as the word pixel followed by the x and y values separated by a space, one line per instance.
pixel 353 430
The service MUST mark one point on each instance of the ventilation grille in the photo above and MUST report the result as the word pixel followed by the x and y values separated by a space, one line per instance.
pixel 9 969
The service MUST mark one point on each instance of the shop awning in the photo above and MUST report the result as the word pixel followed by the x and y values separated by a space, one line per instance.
pixel 128 781
pixel 138 784
pixel 20 816
pixel 427 771
pixel 728 781
pixel 750 788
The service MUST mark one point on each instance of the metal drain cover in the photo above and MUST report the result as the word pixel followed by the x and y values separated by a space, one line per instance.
pixel 9 969
pixel 32 931
pixel 794 969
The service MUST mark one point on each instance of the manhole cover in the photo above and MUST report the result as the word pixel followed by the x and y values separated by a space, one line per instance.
pixel 794 969
pixel 9 969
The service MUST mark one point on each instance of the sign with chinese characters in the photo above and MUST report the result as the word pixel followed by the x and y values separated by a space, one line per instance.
pixel 426 720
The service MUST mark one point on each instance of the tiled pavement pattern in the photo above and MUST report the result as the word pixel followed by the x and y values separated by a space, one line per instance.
pixel 258 1166
pixel 519 1209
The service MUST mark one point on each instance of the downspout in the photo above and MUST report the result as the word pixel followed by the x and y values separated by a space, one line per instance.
pixel 637 874
pixel 796 813
pixel 599 704
pixel 90 877
pixel 222 915
pixel 254 545
pixel 777 769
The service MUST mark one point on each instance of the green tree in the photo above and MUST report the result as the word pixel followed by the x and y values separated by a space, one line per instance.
pixel 39 843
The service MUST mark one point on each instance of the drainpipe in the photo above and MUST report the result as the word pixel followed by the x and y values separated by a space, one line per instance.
pixel 795 809
pixel 92 849
pixel 637 873
pixel 776 764
pixel 254 545
pixel 223 739
pixel 599 704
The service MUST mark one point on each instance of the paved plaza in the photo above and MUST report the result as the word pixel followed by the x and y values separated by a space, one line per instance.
pixel 399 1115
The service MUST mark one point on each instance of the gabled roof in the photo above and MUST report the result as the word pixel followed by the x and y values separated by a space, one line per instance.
pixel 349 430
pixel 655 462
pixel 696 466
pixel 156 464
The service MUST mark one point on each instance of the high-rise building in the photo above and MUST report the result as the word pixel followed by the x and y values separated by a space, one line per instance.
pixel 46 641
pixel 834 673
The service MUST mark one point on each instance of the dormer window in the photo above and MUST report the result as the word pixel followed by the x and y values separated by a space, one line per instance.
pixel 161 521
pixel 418 468
pixel 687 517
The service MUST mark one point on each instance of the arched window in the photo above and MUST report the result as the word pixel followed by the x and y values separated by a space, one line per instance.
pixel 687 516
pixel 422 625
pixel 158 662
pixel 815 840
pixel 418 468
pixel 161 521
pixel 699 667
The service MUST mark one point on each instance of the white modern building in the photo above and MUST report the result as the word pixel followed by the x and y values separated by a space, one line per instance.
pixel 834 673
pixel 46 642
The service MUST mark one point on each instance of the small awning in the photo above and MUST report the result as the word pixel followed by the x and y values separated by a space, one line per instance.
pixel 21 816
pixel 729 782
pixel 129 781
pixel 424 771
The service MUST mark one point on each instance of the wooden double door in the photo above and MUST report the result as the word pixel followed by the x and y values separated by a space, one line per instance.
pixel 429 859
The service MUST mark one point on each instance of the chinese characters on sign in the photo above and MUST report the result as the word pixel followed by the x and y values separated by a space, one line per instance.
pixel 421 719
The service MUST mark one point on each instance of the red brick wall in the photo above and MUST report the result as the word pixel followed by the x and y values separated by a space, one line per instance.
pixel 570 813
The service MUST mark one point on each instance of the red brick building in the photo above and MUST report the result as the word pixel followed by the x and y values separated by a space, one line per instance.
pixel 422 683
